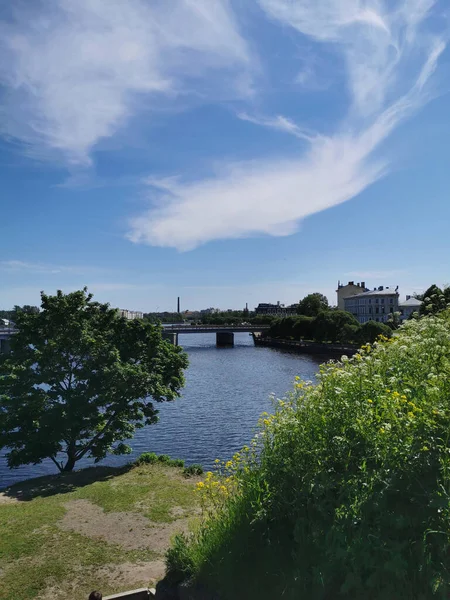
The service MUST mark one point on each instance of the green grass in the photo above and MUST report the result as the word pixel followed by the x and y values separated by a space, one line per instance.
pixel 345 493
pixel 37 555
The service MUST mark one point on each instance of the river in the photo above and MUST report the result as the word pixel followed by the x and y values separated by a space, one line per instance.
pixel 226 391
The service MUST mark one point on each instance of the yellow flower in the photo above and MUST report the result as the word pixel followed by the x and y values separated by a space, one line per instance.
pixel 217 461
pixel 381 429
pixel 228 464
pixel 395 394
pixel 200 485
pixel 425 448
pixel 370 401
pixel 403 397
pixel 411 415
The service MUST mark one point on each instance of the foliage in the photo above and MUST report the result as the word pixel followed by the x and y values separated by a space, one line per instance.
pixel 11 314
pixel 434 301
pixel 370 331
pixel 80 379
pixel 335 326
pixel 327 326
pixel 150 458
pixel 193 470
pixel 312 305
pixel 345 491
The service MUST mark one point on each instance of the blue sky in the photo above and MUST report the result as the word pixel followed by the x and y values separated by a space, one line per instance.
pixel 223 151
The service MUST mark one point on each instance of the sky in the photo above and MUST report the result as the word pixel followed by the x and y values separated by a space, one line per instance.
pixel 226 152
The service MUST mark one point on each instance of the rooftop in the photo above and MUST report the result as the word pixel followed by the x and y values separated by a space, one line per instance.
pixel 411 302
pixel 382 292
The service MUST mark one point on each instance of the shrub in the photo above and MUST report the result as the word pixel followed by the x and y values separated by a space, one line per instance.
pixel 345 492
pixel 193 470
pixel 147 458
pixel 164 458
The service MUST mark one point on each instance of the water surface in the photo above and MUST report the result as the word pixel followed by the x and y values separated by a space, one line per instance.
pixel 226 391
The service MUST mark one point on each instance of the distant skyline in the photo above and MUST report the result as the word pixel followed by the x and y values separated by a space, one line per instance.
pixel 221 151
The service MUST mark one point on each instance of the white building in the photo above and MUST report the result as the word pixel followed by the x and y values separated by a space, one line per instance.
pixel 130 314
pixel 409 306
pixel 375 305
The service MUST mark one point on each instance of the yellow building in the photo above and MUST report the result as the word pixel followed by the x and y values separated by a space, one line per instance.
pixel 345 291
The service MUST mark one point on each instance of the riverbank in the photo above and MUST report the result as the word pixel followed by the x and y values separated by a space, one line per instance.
pixel 100 528
pixel 304 347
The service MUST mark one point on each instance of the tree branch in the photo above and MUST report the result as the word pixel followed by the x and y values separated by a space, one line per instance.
pixel 96 437
pixel 56 463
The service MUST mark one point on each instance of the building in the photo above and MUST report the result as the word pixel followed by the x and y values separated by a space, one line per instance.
pixel 130 314
pixel 374 305
pixel 351 289
pixel 210 311
pixel 278 310
pixel 409 306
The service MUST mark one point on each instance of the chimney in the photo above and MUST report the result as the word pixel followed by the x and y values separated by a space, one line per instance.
pixel 178 304
pixel 381 288
pixel 351 283
pixel 363 284
pixel 408 297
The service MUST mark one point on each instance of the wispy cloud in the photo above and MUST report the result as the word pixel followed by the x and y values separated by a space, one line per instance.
pixel 280 123
pixel 36 267
pixel 74 72
pixel 389 56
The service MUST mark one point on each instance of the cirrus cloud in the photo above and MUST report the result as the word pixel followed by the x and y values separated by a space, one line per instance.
pixel 74 72
pixel 390 57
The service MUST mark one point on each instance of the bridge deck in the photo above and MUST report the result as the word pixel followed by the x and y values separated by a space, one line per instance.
pixel 215 328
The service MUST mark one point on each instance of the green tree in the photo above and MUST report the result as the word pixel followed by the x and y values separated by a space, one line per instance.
pixel 394 320
pixel 370 331
pixel 433 301
pixel 80 379
pixel 335 326
pixel 312 304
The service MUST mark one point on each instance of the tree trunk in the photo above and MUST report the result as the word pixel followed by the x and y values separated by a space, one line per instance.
pixel 71 457
pixel 69 464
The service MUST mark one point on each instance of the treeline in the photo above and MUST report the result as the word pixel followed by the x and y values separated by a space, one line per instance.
pixel 328 326
pixel 10 315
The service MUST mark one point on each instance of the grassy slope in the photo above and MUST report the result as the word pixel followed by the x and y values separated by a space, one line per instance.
pixel 36 554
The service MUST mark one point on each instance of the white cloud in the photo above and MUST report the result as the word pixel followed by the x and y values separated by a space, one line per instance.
pixel 36 267
pixel 389 61
pixel 74 72
pixel 279 122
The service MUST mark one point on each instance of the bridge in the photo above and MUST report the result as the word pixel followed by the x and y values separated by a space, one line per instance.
pixel 224 333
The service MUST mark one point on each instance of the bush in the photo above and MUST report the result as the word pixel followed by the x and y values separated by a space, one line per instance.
pixel 345 492
pixel 193 470
pixel 147 458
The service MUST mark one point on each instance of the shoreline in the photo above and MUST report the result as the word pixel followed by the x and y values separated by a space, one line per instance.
pixel 303 347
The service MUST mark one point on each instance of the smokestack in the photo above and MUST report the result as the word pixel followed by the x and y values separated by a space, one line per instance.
pixel 178 305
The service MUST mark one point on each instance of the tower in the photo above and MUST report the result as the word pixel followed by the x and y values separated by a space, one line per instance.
pixel 178 305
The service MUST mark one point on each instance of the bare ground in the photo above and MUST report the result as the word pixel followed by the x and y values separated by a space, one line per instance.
pixel 130 530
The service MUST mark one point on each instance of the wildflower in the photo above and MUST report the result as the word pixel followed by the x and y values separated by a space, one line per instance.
pixel 200 485
pixel 382 430
pixel 217 461
pixel 425 448
pixel 370 401
pixel 228 464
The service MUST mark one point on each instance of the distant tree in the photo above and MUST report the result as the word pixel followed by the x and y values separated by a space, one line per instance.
pixel 434 301
pixel 26 308
pixel 334 326
pixel 369 331
pixel 312 304
pixel 80 379
pixel 394 320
